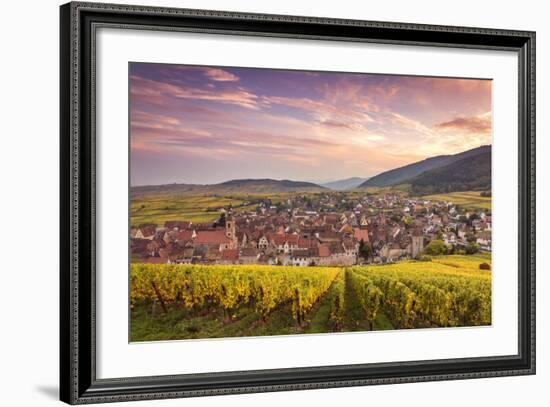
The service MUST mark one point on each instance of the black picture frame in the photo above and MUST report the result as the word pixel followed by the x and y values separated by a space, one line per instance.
pixel 78 382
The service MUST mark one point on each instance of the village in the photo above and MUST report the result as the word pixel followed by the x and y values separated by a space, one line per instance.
pixel 327 229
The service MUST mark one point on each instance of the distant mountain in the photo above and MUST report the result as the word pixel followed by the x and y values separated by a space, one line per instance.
pixel 344 184
pixel 268 185
pixel 402 174
pixel 467 174
pixel 248 186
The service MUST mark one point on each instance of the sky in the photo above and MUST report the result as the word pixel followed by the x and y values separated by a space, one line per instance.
pixel 204 125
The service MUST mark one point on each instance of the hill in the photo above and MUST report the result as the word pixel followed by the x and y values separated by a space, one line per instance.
pixel 345 184
pixel 402 174
pixel 247 186
pixel 267 185
pixel 472 173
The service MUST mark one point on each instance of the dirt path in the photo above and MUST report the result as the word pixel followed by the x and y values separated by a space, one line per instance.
pixel 354 319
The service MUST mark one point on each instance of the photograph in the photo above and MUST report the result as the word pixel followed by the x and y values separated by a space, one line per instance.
pixel 275 202
pixel 270 201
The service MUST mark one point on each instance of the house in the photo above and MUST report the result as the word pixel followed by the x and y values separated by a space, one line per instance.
pixel 380 233
pixel 291 243
pixel 328 237
pixel 249 255
pixel 324 250
pixel 212 255
pixel 301 257
pixel 138 247
pixel 350 247
pixel 183 236
pixel 198 253
pixel 306 243
pixel 284 243
pixel 153 247
pixel 484 240
pixel 175 254
pixel 146 232
pixel 229 256
pixel 477 224
pixel 214 239
pixel 331 219
pixel 395 232
pixel 435 220
pixel 392 252
pixel 449 238
pixel 263 243
pixel 177 225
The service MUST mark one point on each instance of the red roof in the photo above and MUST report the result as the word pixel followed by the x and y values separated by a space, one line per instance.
pixel 361 234
pixel 306 243
pixel 278 239
pixel 332 218
pixel 211 237
pixel 324 250
pixel 148 230
pixel 230 255
pixel 184 235
pixel 329 235
pixel 292 239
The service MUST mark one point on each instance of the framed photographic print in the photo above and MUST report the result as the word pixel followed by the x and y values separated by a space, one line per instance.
pixel 255 203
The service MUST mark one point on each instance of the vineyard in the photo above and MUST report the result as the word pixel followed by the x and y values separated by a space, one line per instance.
pixel 197 301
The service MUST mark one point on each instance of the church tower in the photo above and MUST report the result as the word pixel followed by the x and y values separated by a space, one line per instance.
pixel 230 231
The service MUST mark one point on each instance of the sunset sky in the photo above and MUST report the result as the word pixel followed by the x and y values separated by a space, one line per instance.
pixel 203 125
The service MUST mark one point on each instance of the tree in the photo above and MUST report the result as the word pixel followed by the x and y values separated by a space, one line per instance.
pixel 471 248
pixel 365 250
pixel 436 247
pixel 484 266
pixel 470 237
pixel 474 216
pixel 396 218
pixel 221 220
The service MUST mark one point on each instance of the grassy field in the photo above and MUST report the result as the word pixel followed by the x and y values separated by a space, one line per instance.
pixel 149 322
pixel 467 199
pixel 161 208
pixel 157 209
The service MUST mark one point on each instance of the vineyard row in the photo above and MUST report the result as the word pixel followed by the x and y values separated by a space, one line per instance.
pixel 410 294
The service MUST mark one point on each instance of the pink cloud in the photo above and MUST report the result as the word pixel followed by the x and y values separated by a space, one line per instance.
pixel 221 75
pixel 144 119
pixel 475 124
pixel 153 89
pixel 325 111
